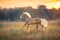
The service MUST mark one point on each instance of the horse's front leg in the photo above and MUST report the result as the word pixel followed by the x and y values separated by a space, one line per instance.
pixel 24 26
pixel 27 26
pixel 37 26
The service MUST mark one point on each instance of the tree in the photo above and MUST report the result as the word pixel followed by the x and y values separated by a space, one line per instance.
pixel 42 10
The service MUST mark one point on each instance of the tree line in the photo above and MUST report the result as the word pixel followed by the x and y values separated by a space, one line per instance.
pixel 13 14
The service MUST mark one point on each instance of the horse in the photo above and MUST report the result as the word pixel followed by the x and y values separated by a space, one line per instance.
pixel 29 20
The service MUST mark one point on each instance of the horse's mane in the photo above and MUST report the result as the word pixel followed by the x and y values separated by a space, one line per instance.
pixel 26 13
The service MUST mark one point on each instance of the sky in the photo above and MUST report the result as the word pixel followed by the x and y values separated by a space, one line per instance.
pixel 32 3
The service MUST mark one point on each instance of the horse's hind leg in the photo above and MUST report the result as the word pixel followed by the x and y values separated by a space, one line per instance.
pixel 44 28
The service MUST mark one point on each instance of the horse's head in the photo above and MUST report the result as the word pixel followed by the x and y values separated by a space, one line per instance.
pixel 25 15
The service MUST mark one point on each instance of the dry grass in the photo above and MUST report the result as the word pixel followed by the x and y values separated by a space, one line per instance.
pixel 13 31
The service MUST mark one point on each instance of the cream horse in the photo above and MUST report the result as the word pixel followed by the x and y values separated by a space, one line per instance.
pixel 29 20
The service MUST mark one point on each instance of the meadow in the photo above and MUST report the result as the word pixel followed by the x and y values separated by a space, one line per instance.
pixel 13 31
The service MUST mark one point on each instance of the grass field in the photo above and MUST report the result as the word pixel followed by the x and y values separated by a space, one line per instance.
pixel 13 31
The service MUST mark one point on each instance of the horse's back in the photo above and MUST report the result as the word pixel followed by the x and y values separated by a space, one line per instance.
pixel 31 20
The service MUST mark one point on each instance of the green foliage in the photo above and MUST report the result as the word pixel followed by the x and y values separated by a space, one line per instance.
pixel 13 14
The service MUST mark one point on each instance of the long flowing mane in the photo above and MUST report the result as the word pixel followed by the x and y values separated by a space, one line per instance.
pixel 26 13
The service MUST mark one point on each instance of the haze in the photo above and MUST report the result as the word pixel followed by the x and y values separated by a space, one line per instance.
pixel 32 3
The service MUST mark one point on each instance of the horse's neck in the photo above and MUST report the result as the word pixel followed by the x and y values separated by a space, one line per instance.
pixel 27 19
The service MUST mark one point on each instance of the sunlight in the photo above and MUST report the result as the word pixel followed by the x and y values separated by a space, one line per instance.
pixel 32 3
pixel 53 5
pixel 57 5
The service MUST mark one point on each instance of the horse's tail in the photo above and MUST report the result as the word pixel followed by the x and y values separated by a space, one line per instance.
pixel 44 22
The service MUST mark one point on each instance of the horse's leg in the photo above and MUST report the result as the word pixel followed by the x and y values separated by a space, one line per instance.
pixel 37 26
pixel 27 26
pixel 24 25
pixel 42 26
